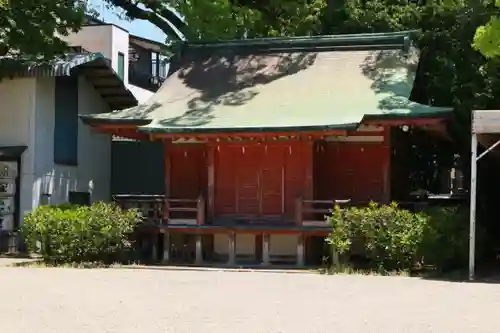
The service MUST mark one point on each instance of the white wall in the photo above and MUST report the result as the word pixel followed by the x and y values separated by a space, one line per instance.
pixel 108 40
pixel 93 38
pixel 18 98
pixel 244 244
pixel 279 245
pixel 120 43
pixel 283 245
pixel 92 173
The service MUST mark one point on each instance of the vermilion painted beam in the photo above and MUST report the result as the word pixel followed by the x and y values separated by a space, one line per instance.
pixel 211 180
pixel 255 136
pixel 217 229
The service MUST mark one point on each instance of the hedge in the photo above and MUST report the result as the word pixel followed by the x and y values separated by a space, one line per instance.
pixel 67 233
pixel 391 238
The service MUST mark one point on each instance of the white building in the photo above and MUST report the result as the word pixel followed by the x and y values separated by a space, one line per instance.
pixel 137 60
pixel 46 154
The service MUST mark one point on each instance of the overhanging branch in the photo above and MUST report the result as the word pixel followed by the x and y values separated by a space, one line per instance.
pixel 134 11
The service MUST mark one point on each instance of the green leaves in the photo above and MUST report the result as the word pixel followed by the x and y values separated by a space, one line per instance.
pixel 28 27
pixel 227 19
pixel 67 234
pixel 487 38
pixel 394 238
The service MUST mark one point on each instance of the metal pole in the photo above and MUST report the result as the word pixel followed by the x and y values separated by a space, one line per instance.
pixel 472 222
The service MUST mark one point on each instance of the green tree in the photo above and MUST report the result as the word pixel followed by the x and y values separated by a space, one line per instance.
pixel 224 19
pixel 487 37
pixel 27 26
pixel 451 73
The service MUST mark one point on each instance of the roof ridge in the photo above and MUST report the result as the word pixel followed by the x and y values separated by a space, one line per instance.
pixel 363 38
pixel 346 42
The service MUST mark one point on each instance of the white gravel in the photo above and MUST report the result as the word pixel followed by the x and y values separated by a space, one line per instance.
pixel 42 300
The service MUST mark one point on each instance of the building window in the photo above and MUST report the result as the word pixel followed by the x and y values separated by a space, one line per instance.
pixel 66 120
pixel 121 65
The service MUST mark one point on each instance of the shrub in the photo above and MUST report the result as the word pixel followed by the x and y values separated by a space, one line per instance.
pixel 393 238
pixel 445 244
pixel 390 237
pixel 67 233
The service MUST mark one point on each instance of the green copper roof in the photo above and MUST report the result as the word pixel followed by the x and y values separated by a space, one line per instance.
pixel 283 84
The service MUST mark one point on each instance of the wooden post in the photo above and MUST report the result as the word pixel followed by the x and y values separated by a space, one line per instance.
pixel 166 247
pixel 387 169
pixel 472 222
pixel 308 193
pixel 298 211
pixel 211 180
pixel 199 250
pixel 265 249
pixel 200 212
pixel 155 248
pixel 168 163
pixel 231 251
pixel 300 251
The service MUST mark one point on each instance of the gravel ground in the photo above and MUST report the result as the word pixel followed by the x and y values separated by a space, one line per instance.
pixel 42 300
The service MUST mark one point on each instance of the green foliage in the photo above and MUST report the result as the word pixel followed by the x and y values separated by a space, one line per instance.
pixel 392 238
pixel 30 29
pixel 446 238
pixel 487 37
pixel 227 19
pixel 65 234
pixel 451 72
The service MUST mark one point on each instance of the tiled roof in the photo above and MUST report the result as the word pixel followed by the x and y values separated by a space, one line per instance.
pixel 283 84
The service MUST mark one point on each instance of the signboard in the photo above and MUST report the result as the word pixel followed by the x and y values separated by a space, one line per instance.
pixel 8 169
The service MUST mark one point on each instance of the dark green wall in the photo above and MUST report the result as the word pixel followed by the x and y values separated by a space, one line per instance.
pixel 137 167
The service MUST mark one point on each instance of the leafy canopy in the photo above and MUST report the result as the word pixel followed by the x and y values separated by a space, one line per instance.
pixel 487 37
pixel 226 19
pixel 27 26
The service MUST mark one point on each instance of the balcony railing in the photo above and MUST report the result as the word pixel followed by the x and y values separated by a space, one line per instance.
pixel 144 80
pixel 158 210
pixel 151 206
pixel 185 211
pixel 312 213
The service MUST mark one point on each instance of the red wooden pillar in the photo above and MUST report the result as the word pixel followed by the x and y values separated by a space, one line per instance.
pixel 211 180
pixel 308 189
pixel 309 179
pixel 387 168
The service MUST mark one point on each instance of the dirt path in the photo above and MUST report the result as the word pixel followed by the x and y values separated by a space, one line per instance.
pixel 42 300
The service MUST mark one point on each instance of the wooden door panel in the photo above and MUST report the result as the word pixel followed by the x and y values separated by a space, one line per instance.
pixel 187 171
pixel 248 180
pixel 226 166
pixel 272 177
pixel 259 179
pixel 354 171
pixel 370 185
pixel 298 161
